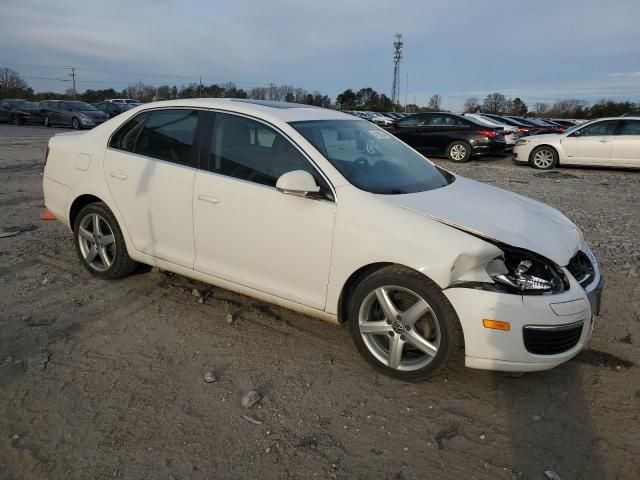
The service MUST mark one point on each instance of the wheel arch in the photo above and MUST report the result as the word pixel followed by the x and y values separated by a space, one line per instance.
pixel 355 278
pixel 79 203
pixel 555 149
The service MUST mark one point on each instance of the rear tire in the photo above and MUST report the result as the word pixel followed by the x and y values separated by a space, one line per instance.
pixel 100 243
pixel 459 152
pixel 46 122
pixel 17 121
pixel 543 158
pixel 416 336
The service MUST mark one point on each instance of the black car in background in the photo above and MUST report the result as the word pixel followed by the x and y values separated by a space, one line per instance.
pixel 113 109
pixel 524 128
pixel 541 126
pixel 19 111
pixel 71 114
pixel 457 137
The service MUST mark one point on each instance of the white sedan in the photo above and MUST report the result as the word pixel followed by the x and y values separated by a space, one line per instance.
pixel 329 215
pixel 607 142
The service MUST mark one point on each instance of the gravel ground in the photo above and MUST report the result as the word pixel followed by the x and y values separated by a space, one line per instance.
pixel 147 378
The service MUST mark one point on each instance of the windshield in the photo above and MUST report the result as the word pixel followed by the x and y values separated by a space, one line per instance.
pixel 81 106
pixel 575 127
pixel 370 158
pixel 24 104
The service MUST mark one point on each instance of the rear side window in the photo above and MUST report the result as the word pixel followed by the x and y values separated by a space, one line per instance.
pixel 168 135
pixel 631 127
pixel 249 150
pixel 125 138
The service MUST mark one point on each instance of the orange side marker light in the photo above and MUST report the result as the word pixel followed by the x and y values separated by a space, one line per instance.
pixel 496 325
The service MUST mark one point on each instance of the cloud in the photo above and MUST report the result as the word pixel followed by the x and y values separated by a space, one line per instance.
pixel 457 48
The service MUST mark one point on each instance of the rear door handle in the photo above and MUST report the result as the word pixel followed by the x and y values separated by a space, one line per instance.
pixel 208 198
pixel 118 174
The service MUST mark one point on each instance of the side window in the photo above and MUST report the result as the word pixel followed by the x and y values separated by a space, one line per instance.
pixel 249 150
pixel 631 127
pixel 411 121
pixel 598 129
pixel 126 136
pixel 168 135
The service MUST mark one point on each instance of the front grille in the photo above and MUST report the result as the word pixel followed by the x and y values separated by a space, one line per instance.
pixel 581 268
pixel 544 340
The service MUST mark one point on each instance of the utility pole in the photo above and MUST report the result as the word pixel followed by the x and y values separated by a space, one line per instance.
pixel 200 88
pixel 73 79
pixel 406 94
pixel 397 56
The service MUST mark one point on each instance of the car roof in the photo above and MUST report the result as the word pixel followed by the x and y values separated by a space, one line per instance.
pixel 282 111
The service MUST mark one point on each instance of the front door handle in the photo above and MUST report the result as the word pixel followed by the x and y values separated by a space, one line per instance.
pixel 208 198
pixel 603 140
pixel 119 174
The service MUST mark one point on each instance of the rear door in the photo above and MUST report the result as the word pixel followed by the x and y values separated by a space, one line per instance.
pixel 626 145
pixel 150 170
pixel 590 145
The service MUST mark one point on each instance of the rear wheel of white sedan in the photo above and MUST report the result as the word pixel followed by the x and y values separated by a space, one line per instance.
pixel 544 157
pixel 100 244
pixel 403 325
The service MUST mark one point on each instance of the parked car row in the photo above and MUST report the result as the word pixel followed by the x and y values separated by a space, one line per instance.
pixel 67 113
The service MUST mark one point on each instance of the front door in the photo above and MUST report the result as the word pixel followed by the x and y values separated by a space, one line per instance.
pixel 591 144
pixel 149 167
pixel 249 233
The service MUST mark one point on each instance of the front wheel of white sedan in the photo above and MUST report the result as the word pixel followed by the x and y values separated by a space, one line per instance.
pixel 403 325
pixel 544 158
pixel 100 244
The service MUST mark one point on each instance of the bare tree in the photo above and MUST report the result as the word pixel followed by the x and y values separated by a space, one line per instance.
pixel 495 103
pixel 435 103
pixel 540 108
pixel 471 104
pixel 11 83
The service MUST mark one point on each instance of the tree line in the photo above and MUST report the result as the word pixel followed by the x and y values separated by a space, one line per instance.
pixel 12 85
pixel 570 108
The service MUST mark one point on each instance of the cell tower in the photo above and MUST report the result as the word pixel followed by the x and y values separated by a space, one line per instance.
pixel 397 56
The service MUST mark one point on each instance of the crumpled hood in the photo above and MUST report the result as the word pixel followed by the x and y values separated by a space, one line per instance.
pixel 499 215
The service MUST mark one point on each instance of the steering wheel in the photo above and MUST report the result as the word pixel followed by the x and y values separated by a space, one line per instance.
pixel 360 163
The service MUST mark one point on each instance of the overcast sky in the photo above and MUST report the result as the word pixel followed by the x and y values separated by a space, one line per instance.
pixel 539 50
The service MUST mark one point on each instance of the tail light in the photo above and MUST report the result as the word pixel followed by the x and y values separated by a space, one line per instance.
pixel 488 133
pixel 46 155
pixel 523 129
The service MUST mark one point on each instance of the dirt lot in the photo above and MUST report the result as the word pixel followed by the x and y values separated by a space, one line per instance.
pixel 105 379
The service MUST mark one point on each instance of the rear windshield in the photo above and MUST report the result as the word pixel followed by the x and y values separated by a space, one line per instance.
pixel 372 159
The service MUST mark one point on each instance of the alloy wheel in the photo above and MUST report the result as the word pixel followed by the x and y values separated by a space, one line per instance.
pixel 458 152
pixel 97 242
pixel 399 328
pixel 543 158
pixel 75 123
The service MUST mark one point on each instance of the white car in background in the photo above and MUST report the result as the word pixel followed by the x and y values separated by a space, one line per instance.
pixel 330 215
pixel 511 133
pixel 382 120
pixel 606 142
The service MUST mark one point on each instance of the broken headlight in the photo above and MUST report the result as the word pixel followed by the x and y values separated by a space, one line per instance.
pixel 524 273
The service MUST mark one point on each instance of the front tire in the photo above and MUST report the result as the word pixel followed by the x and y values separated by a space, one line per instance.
pixel 459 152
pixel 544 158
pixel 100 243
pixel 75 123
pixel 403 325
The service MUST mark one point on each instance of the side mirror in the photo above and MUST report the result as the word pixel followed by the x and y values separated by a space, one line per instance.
pixel 297 182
